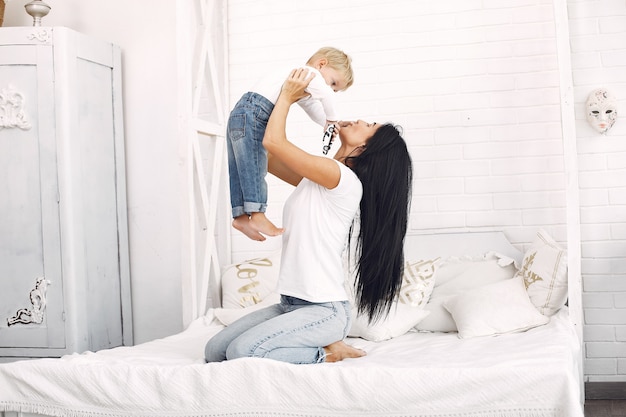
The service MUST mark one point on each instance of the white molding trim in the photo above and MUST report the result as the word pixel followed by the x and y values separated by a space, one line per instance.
pixel 202 49
pixel 570 159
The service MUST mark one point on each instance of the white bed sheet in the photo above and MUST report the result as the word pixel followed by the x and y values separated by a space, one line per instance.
pixel 419 374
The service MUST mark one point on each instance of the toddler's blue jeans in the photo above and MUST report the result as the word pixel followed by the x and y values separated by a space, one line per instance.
pixel 247 158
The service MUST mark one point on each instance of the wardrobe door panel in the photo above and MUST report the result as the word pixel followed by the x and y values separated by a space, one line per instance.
pixel 31 284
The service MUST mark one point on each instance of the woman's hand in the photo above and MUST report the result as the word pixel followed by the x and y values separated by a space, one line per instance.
pixel 286 160
pixel 294 85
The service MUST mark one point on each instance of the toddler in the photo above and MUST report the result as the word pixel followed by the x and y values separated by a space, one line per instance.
pixel 247 158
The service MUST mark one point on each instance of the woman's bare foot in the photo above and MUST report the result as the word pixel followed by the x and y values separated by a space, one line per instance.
pixel 242 223
pixel 262 224
pixel 340 350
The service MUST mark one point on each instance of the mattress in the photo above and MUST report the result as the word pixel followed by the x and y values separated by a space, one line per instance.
pixel 534 373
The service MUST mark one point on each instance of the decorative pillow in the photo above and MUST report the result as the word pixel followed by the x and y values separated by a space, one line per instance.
pixel 499 308
pixel 417 282
pixel 458 275
pixel 247 283
pixel 417 285
pixel 544 270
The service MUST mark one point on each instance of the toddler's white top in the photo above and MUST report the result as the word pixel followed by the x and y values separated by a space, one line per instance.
pixel 319 105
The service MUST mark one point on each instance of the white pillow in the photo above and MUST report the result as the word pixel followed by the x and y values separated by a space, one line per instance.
pixel 247 283
pixel 458 275
pixel 400 320
pixel 544 270
pixel 417 285
pixel 499 308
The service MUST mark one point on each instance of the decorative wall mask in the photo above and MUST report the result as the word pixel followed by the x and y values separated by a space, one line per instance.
pixel 601 110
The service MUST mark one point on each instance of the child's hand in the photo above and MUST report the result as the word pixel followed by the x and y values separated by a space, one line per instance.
pixel 343 123
pixel 340 124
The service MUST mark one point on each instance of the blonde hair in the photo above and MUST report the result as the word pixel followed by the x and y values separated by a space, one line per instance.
pixel 337 60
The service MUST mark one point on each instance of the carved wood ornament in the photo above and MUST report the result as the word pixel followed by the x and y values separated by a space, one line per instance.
pixel 34 314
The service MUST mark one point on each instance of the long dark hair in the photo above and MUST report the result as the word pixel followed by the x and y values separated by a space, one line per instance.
pixel 385 170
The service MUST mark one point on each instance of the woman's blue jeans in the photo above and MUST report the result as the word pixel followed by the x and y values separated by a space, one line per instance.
pixel 293 331
pixel 247 158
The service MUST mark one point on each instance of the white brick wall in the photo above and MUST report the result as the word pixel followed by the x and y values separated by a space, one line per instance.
pixel 475 86
pixel 598 42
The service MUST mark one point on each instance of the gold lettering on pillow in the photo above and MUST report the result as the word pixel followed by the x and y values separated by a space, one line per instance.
pixel 248 270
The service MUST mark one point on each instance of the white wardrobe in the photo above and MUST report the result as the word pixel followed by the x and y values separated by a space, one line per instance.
pixel 64 263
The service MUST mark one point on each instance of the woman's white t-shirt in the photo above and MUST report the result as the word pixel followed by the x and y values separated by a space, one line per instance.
pixel 317 222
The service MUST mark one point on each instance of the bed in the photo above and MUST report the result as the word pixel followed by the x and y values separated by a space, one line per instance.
pixel 505 360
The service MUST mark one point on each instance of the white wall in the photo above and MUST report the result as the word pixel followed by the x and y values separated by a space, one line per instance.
pixel 475 85
pixel 146 32
pixel 598 42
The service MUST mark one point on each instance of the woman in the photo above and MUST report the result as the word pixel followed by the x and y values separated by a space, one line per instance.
pixel 370 174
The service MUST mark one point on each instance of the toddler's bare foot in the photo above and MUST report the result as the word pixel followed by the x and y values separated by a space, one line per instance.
pixel 242 223
pixel 262 224
pixel 340 350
